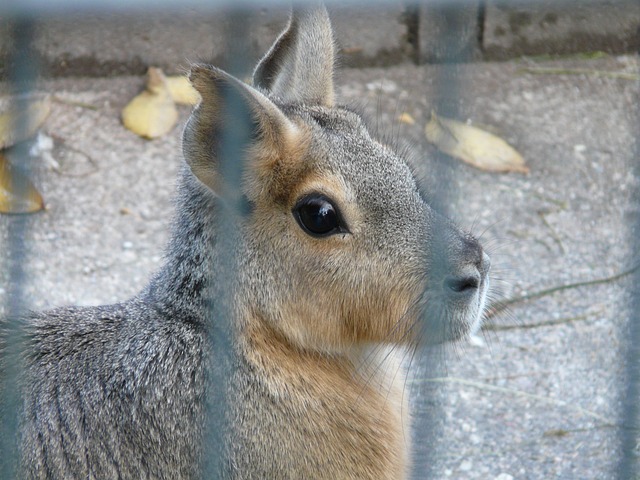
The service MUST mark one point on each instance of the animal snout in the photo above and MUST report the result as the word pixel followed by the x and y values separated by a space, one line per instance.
pixel 469 278
pixel 468 272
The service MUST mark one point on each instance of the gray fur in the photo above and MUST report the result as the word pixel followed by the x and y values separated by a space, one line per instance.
pixel 119 391
pixel 299 67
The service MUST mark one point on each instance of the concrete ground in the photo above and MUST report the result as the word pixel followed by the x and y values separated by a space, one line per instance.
pixel 538 395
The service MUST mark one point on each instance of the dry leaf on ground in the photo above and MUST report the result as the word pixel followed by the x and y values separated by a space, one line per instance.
pixel 182 91
pixel 406 118
pixel 474 146
pixel 21 117
pixel 152 113
pixel 17 193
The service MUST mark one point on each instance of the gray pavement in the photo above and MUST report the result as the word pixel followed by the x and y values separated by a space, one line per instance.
pixel 524 402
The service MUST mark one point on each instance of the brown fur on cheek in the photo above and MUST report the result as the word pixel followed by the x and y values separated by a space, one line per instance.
pixel 326 316
pixel 332 300
pixel 381 309
pixel 384 316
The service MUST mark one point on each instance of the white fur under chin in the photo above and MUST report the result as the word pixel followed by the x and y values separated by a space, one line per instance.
pixel 482 303
pixel 380 365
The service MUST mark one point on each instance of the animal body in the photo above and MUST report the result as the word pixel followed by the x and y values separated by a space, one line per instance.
pixel 317 257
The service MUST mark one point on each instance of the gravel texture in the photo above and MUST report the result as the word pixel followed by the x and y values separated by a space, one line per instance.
pixel 520 401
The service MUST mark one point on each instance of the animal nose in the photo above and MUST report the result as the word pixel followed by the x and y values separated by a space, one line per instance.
pixel 459 265
pixel 469 277
pixel 461 284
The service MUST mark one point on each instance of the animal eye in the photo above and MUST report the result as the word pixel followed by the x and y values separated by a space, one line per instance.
pixel 317 216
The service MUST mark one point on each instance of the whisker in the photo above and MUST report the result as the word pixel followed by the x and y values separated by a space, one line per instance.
pixel 374 353
pixel 410 310
pixel 404 389
pixel 489 227
pixel 371 374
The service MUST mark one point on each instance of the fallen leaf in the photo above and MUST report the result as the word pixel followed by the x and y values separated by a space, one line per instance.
pixel 17 193
pixel 21 117
pixel 152 113
pixel 182 91
pixel 474 146
pixel 406 118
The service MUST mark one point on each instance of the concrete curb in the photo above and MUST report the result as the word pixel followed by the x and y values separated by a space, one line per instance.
pixel 429 32
pixel 560 28
pixel 449 32
pixel 117 44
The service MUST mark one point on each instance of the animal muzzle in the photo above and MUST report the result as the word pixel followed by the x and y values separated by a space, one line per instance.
pixel 455 297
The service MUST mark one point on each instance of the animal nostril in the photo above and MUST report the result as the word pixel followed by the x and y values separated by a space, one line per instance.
pixel 461 284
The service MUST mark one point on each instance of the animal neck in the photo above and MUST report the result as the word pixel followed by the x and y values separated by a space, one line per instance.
pixel 336 394
pixel 373 367
pixel 186 285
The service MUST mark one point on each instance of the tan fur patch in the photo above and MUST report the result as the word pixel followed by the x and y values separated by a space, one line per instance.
pixel 278 162
pixel 349 411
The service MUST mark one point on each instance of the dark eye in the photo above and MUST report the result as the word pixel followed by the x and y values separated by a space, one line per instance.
pixel 317 216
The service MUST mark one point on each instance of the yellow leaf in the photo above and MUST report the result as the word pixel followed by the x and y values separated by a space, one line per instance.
pixel 18 125
pixel 17 193
pixel 474 146
pixel 152 113
pixel 182 91
pixel 406 118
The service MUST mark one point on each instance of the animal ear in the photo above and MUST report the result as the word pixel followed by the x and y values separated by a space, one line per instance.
pixel 233 126
pixel 298 68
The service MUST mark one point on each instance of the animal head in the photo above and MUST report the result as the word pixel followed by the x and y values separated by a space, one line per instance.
pixel 339 247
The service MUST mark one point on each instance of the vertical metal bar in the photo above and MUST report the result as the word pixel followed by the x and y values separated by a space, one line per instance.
pixel 234 135
pixel 429 415
pixel 21 78
pixel 629 463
